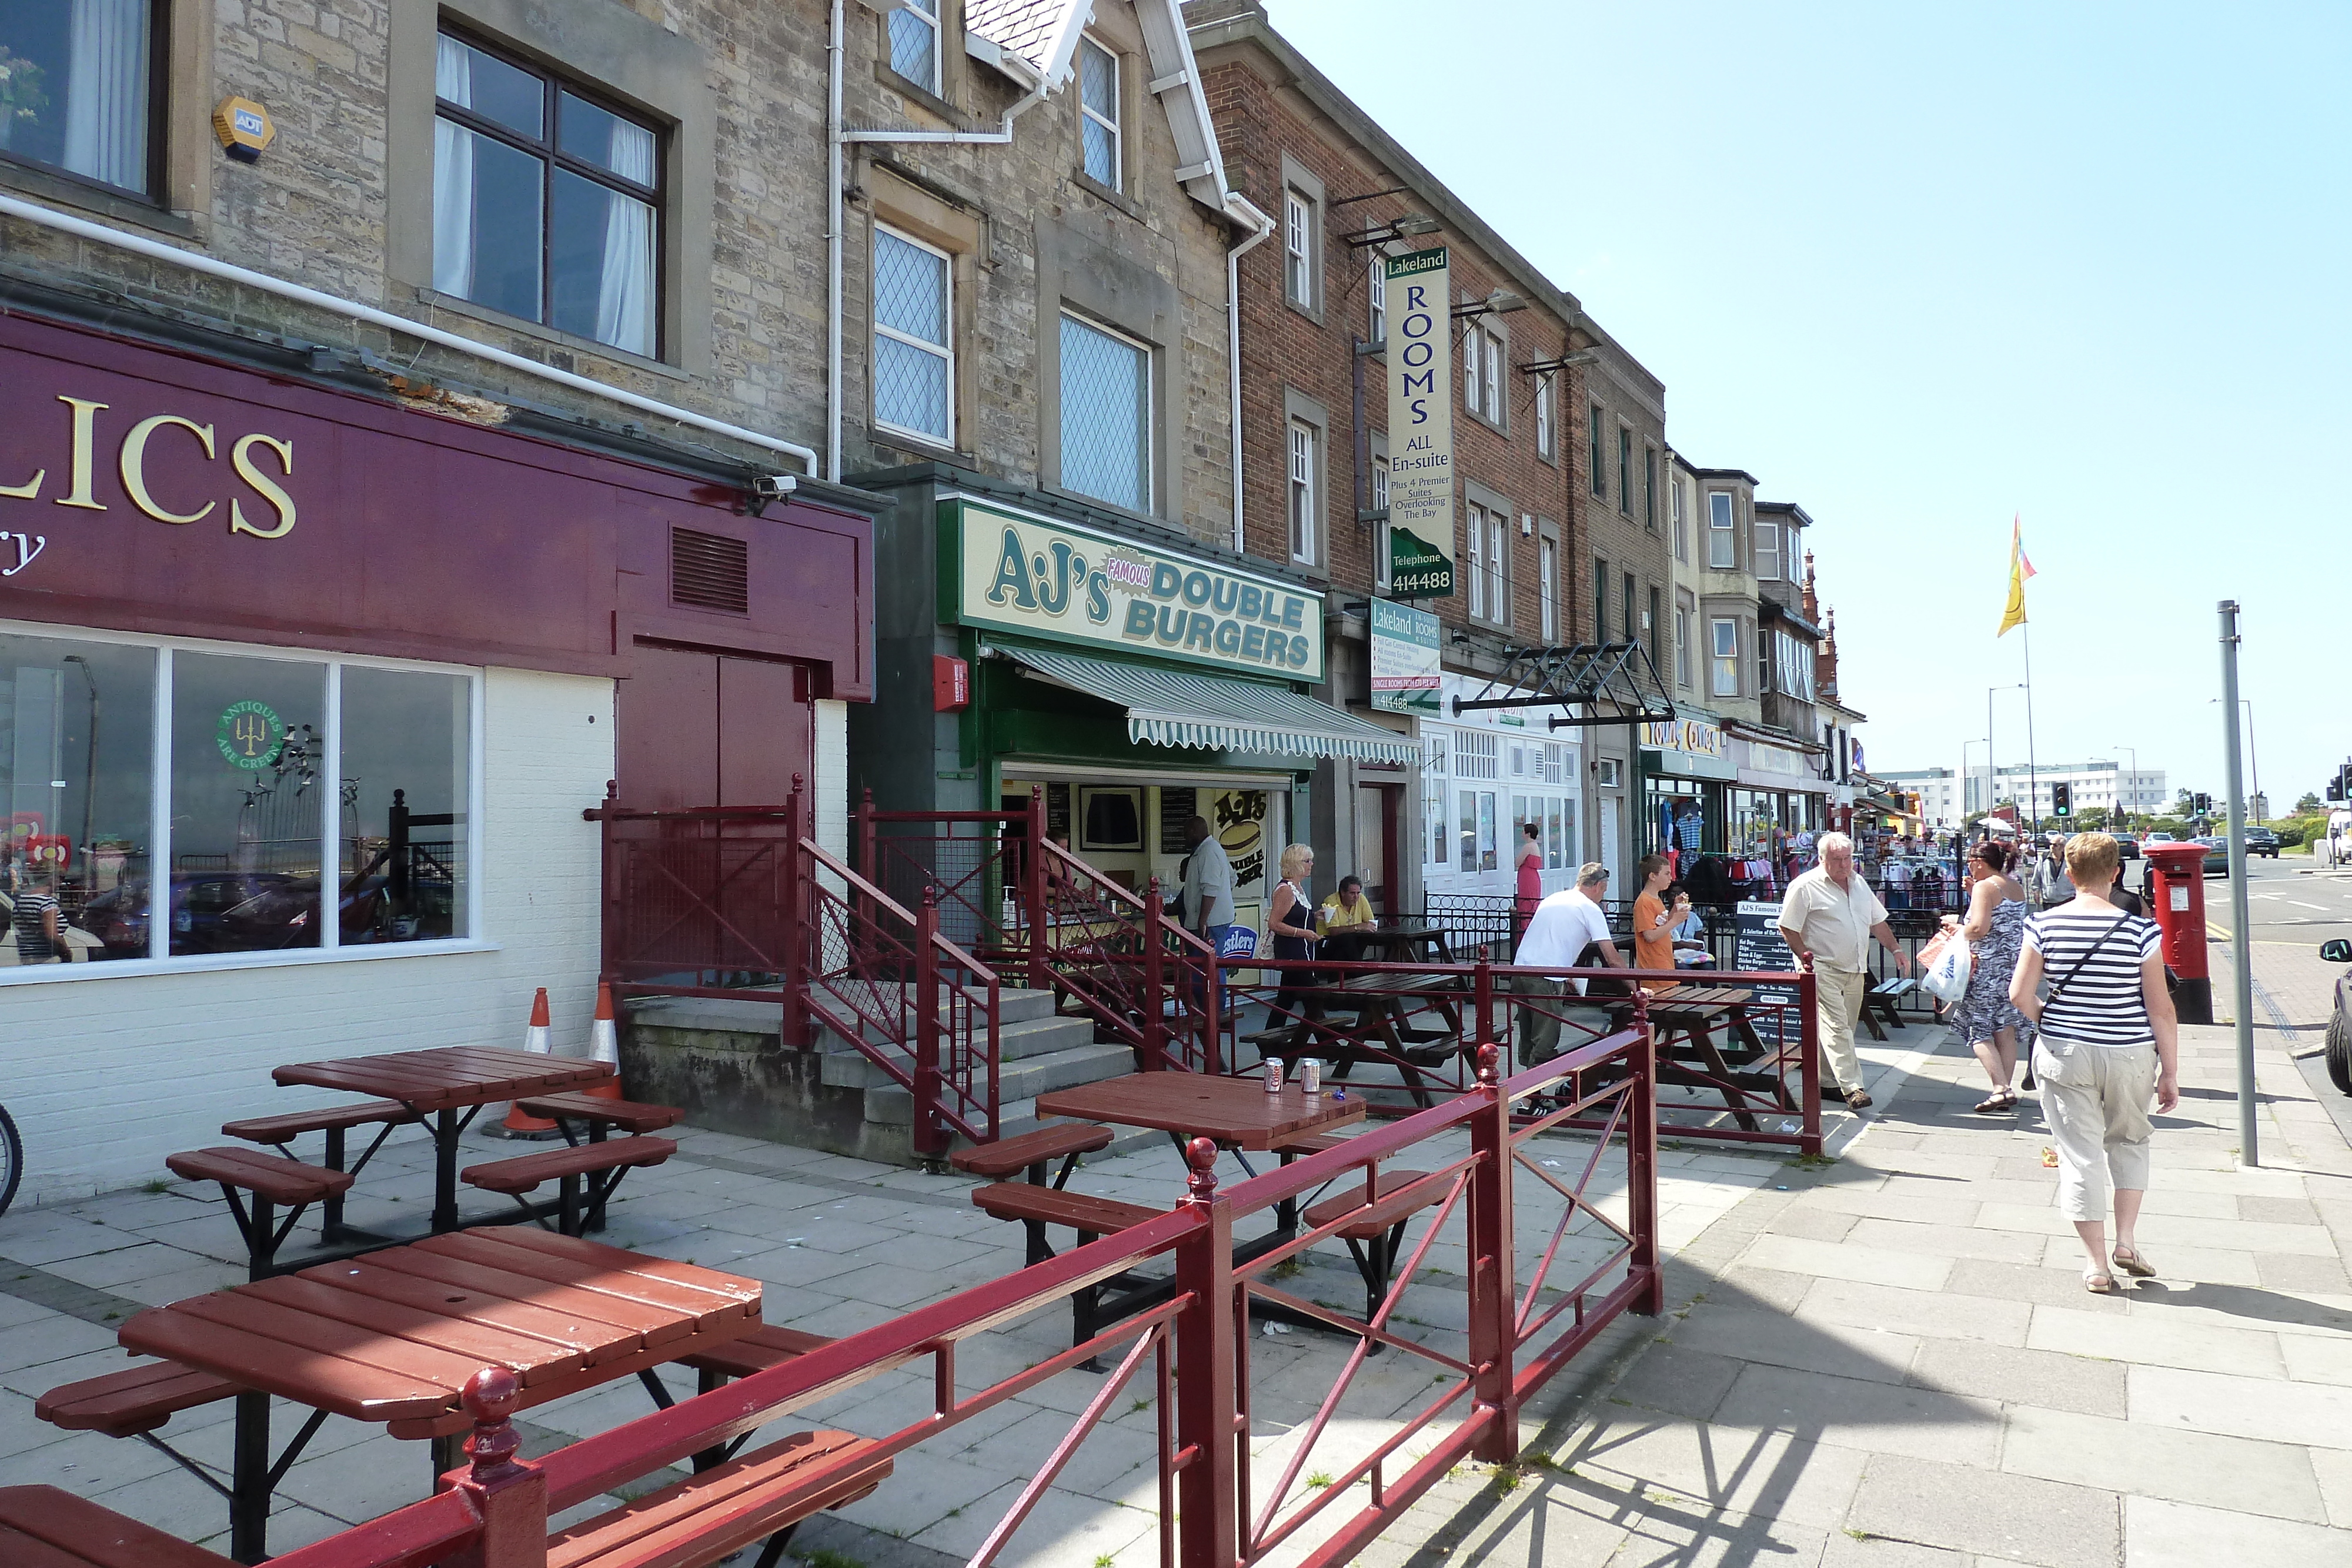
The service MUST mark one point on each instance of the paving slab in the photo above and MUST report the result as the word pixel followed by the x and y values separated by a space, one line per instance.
pixel 2149 1337
pixel 2275 1480
pixel 1873 1416
pixel 1825 1260
pixel 2018 1519
pixel 2266 1410
pixel 1928 1314
pixel 2163 1535
pixel 2009 1375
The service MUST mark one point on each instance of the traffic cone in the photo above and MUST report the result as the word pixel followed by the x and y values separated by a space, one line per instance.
pixel 604 1045
pixel 534 1040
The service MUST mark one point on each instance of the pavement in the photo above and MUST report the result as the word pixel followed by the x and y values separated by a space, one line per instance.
pixel 1892 1363
pixel 1882 1359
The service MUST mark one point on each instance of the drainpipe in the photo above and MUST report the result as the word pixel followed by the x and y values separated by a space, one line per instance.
pixel 837 137
pixel 1261 228
pixel 352 310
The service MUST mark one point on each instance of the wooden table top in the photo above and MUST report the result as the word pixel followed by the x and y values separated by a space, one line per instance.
pixel 1685 994
pixel 1237 1111
pixel 393 1336
pixel 1402 931
pixel 448 1077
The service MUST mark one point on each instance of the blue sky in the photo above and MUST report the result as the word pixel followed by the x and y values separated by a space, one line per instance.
pixel 1919 269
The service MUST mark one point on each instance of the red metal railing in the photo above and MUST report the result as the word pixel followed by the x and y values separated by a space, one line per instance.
pixel 1213 1512
pixel 700 902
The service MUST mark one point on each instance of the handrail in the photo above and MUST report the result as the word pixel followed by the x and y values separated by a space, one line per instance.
pixel 824 857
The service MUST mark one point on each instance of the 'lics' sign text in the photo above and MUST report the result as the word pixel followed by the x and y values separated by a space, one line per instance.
pixel 1074 584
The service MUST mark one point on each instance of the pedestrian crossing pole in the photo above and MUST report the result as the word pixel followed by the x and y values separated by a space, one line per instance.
pixel 2240 946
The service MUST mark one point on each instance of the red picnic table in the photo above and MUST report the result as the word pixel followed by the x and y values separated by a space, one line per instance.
pixel 392 1338
pixel 438 1084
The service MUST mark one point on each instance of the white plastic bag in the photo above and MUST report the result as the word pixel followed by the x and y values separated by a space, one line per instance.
pixel 1946 978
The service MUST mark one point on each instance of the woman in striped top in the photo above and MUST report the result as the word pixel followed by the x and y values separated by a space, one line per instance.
pixel 2106 1044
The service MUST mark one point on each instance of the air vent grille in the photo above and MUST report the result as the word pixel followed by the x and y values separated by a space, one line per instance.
pixel 710 571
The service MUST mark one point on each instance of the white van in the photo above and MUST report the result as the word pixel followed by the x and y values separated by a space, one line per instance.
pixel 2337 847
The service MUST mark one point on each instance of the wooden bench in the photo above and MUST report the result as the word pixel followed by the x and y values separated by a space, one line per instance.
pixel 274 1182
pixel 1375 1230
pixel 599 1166
pixel 599 1114
pixel 1880 998
pixel 47 1527
pixel 131 1403
pixel 1065 1141
pixel 720 1511
pixel 767 1347
pixel 279 1132
pixel 1308 1143
pixel 1038 1206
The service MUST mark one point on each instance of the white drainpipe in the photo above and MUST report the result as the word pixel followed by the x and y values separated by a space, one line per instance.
pixel 1261 227
pixel 138 245
pixel 838 136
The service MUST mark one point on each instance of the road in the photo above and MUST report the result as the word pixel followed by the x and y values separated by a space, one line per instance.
pixel 2288 902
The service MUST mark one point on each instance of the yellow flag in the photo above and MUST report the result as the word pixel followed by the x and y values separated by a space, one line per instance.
pixel 2020 569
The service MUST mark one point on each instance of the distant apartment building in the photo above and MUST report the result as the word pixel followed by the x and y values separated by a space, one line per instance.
pixel 2092 787
pixel 1940 791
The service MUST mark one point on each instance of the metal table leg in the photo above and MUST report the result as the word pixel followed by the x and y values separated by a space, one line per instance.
pixel 444 1170
pixel 249 1501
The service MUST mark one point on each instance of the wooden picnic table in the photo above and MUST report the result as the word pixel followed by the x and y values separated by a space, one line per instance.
pixel 1383 1004
pixel 1409 939
pixel 392 1337
pixel 1237 1112
pixel 1690 1014
pixel 440 1085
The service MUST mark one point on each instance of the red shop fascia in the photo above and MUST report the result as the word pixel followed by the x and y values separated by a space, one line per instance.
pixel 153 489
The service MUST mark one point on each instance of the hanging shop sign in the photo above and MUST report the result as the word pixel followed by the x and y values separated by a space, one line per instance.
pixel 1693 749
pixel 1075 584
pixel 1405 664
pixel 1421 424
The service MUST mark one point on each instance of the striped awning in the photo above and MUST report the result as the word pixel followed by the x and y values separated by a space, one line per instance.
pixel 1181 707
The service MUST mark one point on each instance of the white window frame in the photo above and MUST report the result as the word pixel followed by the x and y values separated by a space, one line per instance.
pixel 1491 391
pixel 1546 436
pixel 1682 647
pixel 925 14
pixel 1548 588
pixel 1381 576
pixel 1475 518
pixel 1118 181
pixel 1150 404
pixel 1305 544
pixel 1722 532
pixel 1723 661
pixel 1471 377
pixel 330 949
pixel 1376 300
pixel 944 352
pixel 1298 247
pixel 1490 582
pixel 1767 556
pixel 1682 520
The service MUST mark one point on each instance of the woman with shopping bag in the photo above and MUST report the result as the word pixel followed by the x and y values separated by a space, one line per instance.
pixel 1995 931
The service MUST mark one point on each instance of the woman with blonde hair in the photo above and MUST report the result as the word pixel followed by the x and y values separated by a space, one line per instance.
pixel 2107 1042
pixel 1290 925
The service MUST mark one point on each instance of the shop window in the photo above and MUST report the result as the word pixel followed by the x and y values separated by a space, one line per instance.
pixel 545 204
pixel 915 42
pixel 1560 836
pixel 1106 415
pixel 914 338
pixel 76 781
pixel 1098 119
pixel 1475 829
pixel 81 88
pixel 276 769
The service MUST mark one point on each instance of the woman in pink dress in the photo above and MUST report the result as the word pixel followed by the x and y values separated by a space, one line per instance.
pixel 1530 872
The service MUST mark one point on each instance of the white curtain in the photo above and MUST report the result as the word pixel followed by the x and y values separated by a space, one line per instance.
pixel 453 176
pixel 106 92
pixel 624 316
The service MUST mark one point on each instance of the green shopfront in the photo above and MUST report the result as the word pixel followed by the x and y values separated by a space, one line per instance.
pixel 1132 675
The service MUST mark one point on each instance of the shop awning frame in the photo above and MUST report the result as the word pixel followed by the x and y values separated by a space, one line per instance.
pixel 1618 674
pixel 1185 708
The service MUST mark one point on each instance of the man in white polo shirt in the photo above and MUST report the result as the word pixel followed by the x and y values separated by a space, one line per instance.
pixel 1563 929
pixel 1828 920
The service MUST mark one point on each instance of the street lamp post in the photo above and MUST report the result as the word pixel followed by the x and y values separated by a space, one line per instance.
pixel 2253 747
pixel 2133 776
pixel 1993 778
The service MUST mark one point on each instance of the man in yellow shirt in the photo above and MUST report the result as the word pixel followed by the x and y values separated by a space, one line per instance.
pixel 1343 920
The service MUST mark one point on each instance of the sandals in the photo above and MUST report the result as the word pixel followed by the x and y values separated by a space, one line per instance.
pixel 1999 1100
pixel 2102 1285
pixel 2129 1259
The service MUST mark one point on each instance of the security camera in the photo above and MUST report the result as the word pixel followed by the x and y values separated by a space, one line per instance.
pixel 774 486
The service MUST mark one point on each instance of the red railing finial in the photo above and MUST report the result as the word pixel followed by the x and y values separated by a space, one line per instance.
pixel 491 1396
pixel 1200 1185
pixel 931 896
pixel 1490 1066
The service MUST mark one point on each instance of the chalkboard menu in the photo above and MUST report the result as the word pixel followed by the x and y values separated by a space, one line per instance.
pixel 1178 807
pixel 1757 946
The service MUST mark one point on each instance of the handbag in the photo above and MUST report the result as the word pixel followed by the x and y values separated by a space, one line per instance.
pixel 1946 967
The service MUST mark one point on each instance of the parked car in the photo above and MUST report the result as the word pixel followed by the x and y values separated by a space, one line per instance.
pixel 2127 847
pixel 2261 841
pixel 2159 838
pixel 2339 1022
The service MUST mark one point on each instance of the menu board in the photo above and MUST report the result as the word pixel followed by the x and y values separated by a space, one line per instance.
pixel 1758 947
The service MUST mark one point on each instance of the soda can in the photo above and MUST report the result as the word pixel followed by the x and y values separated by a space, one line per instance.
pixel 1310 1075
pixel 1274 1075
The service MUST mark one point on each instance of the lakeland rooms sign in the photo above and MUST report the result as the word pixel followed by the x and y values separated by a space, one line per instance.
pixel 1077 585
pixel 1420 424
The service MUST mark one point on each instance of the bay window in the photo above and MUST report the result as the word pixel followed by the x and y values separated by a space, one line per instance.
pixel 239 782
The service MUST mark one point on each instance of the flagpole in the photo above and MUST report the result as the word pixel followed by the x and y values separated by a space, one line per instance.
pixel 2032 768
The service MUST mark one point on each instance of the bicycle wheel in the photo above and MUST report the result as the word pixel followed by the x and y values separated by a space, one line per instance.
pixel 12 1159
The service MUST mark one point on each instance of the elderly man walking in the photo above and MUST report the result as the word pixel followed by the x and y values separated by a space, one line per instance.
pixel 1828 920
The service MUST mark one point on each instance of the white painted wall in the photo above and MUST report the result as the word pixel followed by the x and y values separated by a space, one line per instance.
pixel 106 1075
pixel 830 787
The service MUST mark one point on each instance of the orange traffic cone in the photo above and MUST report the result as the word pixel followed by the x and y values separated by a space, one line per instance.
pixel 534 1040
pixel 604 1045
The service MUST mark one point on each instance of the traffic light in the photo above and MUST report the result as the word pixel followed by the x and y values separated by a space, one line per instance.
pixel 2062 799
pixel 2202 805
pixel 2340 786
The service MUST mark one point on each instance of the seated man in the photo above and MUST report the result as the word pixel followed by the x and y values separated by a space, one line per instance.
pixel 1343 920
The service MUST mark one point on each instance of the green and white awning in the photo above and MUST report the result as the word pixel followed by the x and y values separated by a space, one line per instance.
pixel 1178 708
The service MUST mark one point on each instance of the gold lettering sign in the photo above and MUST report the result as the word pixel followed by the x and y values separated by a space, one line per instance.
pixel 136 466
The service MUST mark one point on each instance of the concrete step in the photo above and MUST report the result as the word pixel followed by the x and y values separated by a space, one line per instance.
pixel 848 1067
pixel 1032 1076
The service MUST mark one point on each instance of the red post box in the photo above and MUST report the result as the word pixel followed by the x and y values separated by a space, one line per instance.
pixel 2176 899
